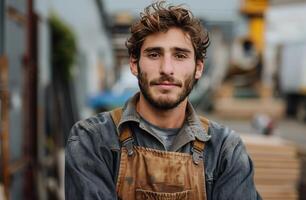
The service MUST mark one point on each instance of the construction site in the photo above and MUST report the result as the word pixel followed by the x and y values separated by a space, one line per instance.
pixel 63 62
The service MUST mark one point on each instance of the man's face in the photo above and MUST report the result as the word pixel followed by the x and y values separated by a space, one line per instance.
pixel 166 69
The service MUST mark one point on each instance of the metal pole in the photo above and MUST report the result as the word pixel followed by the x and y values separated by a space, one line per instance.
pixel 4 106
pixel 4 124
pixel 30 105
pixel 2 26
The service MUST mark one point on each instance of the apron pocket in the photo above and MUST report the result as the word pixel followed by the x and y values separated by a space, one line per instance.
pixel 150 195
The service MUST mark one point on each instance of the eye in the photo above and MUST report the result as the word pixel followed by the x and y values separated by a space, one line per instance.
pixel 180 56
pixel 153 55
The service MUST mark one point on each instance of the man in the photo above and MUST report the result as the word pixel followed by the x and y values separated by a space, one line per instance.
pixel 156 147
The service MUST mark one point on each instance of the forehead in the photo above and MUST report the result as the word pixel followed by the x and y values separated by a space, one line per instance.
pixel 173 38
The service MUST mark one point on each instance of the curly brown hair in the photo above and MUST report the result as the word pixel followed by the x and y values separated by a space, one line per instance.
pixel 159 17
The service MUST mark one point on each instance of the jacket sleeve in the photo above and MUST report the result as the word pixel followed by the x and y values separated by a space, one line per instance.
pixel 88 167
pixel 236 172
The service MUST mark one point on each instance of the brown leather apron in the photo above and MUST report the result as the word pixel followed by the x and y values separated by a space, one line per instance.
pixel 151 174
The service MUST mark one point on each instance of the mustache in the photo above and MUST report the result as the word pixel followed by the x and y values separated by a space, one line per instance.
pixel 166 78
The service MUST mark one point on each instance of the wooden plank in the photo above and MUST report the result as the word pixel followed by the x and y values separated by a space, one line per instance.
pixel 280 180
pixel 3 72
pixel 273 181
pixel 274 163
pixel 247 108
pixel 278 192
pixel 276 155
pixel 277 166
pixel 278 171
pixel 267 141
pixel 2 197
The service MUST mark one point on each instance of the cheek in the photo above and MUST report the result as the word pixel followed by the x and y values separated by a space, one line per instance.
pixel 192 73
pixel 187 78
pixel 147 67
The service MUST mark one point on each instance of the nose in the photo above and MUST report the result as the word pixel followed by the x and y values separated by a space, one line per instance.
pixel 166 66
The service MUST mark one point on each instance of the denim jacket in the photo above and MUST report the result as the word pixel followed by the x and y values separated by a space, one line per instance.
pixel 92 156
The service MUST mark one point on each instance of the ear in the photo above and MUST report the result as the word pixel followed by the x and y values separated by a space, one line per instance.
pixel 133 66
pixel 199 69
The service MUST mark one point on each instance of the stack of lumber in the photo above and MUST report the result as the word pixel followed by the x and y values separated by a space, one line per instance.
pixel 226 105
pixel 247 108
pixel 2 197
pixel 302 185
pixel 277 167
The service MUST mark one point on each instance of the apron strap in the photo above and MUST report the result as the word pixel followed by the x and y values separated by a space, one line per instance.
pixel 197 151
pixel 126 138
pixel 116 115
pixel 199 146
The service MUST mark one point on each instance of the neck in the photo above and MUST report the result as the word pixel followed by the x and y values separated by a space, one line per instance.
pixel 171 118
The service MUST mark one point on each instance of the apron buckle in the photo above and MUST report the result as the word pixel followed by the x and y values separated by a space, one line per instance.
pixel 128 144
pixel 196 156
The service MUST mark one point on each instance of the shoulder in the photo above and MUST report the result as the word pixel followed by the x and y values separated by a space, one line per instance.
pixel 225 147
pixel 96 129
pixel 94 123
pixel 219 133
pixel 223 136
pixel 223 144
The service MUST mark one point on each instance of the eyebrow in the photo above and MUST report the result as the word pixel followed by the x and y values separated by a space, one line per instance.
pixel 150 49
pixel 182 49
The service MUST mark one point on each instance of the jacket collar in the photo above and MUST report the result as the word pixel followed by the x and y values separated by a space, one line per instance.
pixel 192 124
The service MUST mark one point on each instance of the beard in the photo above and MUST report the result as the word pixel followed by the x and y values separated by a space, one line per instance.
pixel 165 103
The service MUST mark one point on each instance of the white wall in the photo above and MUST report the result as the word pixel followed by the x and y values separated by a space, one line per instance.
pixel 286 25
pixel 84 19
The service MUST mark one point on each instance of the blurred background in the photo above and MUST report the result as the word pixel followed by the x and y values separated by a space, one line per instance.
pixel 62 61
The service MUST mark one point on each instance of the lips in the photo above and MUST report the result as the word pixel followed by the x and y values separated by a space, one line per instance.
pixel 166 81
pixel 167 84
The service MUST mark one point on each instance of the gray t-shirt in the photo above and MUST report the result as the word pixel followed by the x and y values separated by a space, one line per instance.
pixel 166 135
